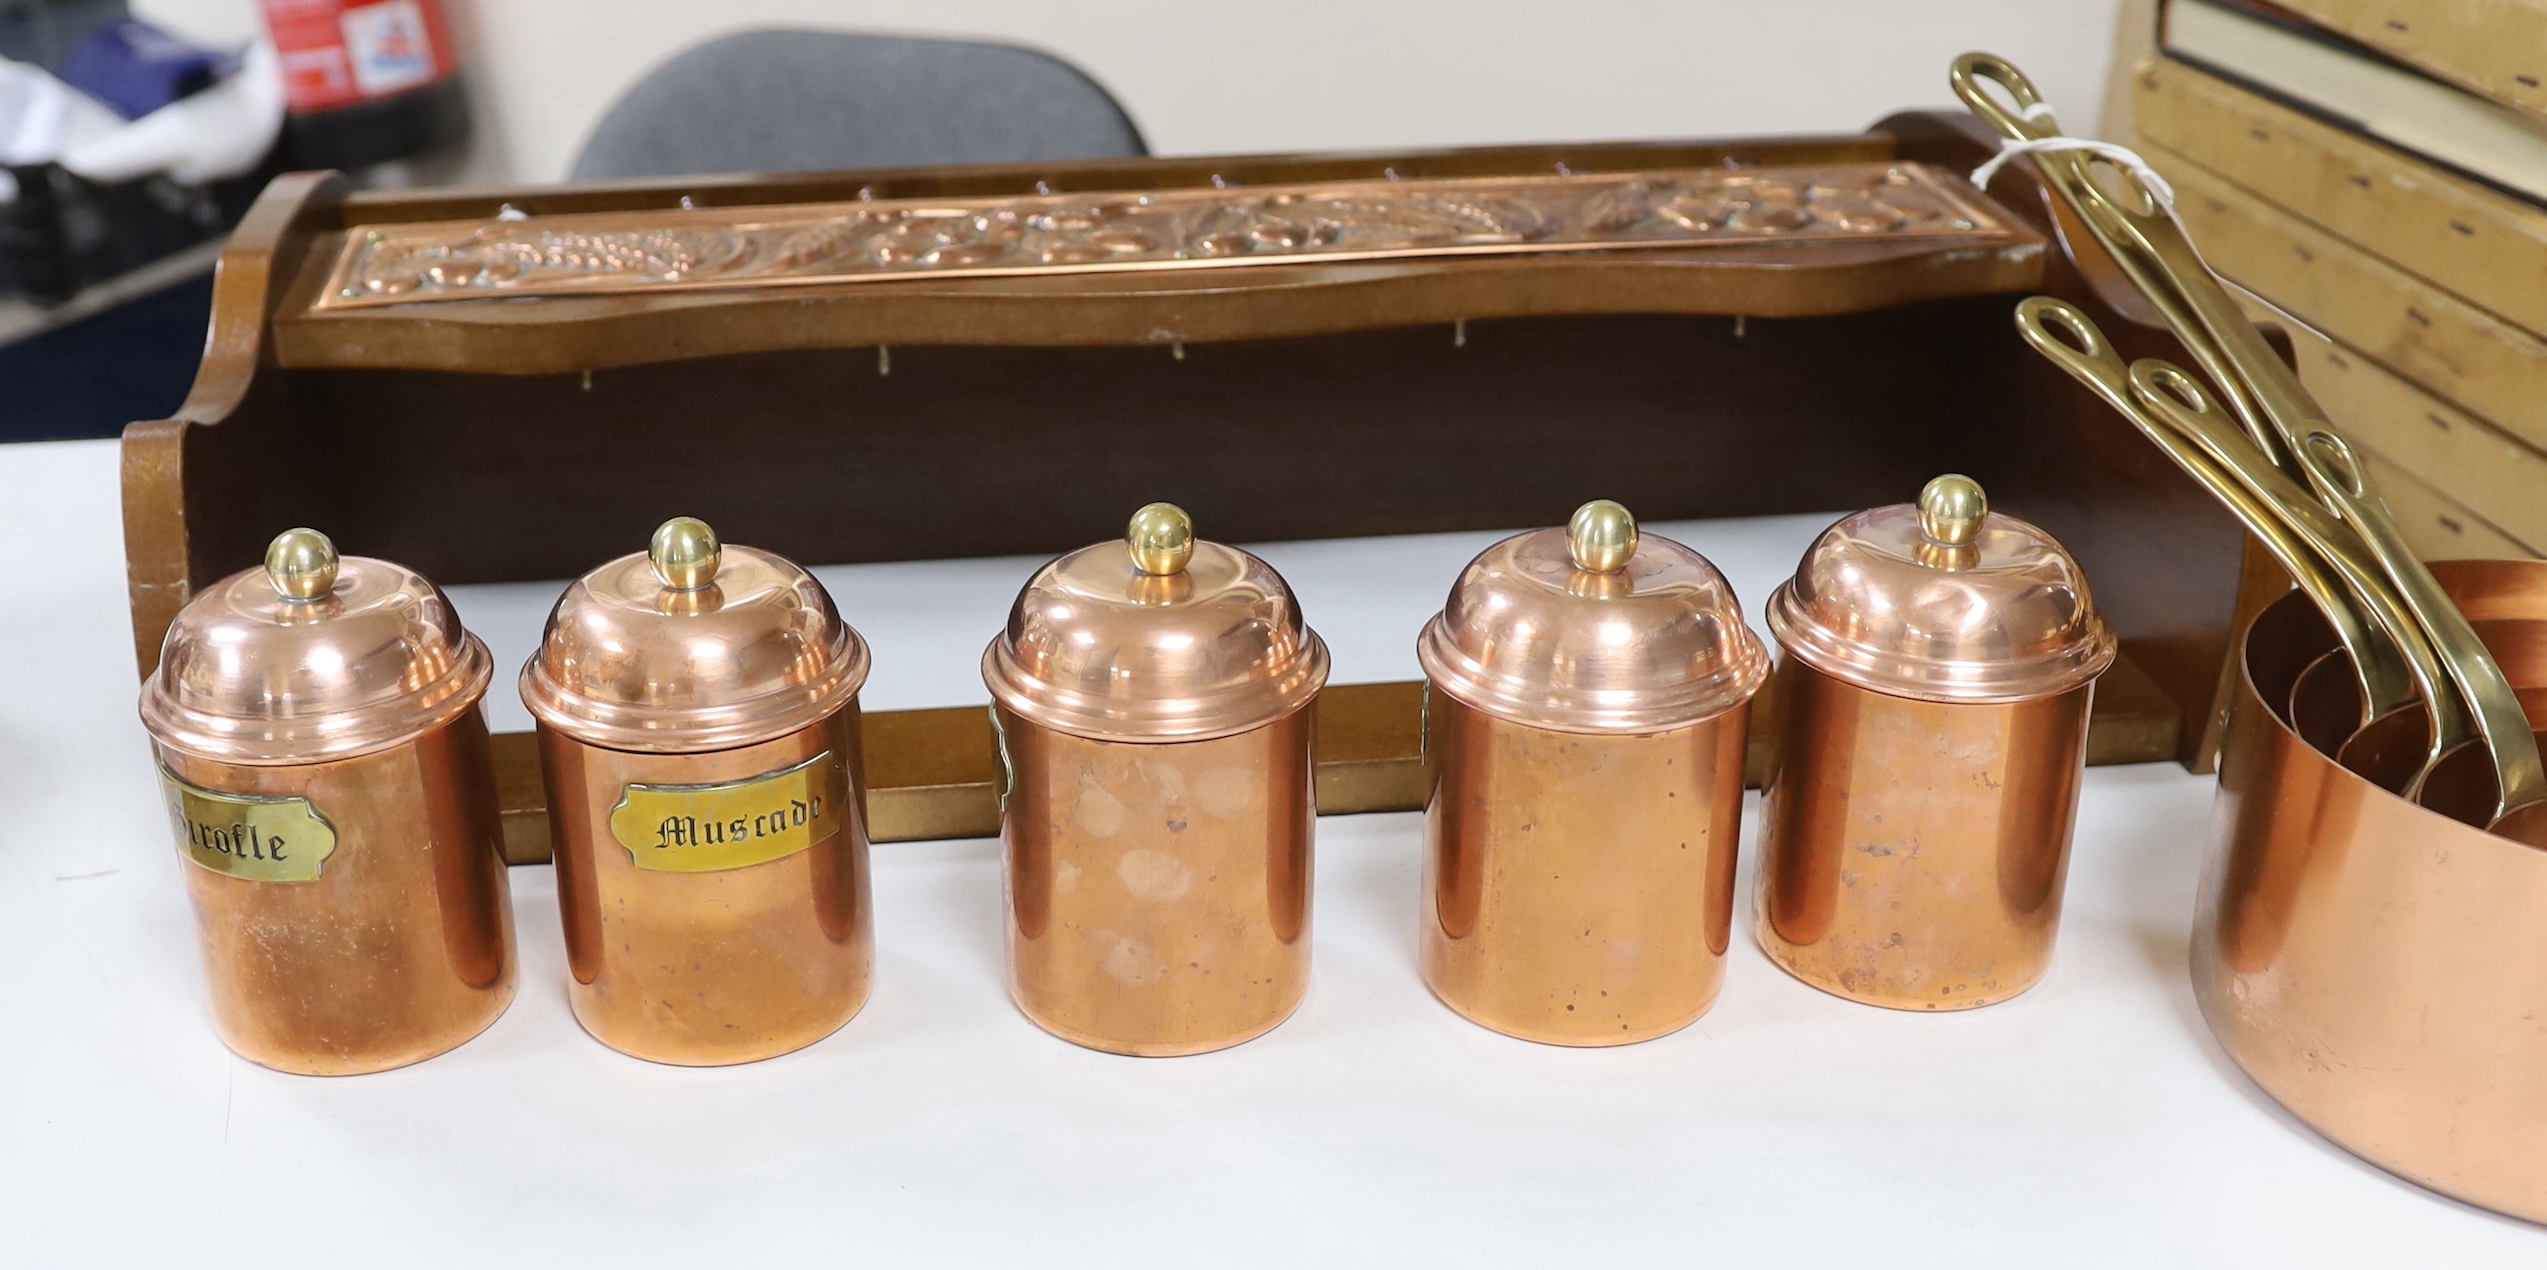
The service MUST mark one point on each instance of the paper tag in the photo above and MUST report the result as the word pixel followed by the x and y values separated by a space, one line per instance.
pixel 255 839
pixel 706 828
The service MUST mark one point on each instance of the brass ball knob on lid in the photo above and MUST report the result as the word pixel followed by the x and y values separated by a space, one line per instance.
pixel 1601 537
pixel 301 564
pixel 1161 536
pixel 685 553
pixel 1952 510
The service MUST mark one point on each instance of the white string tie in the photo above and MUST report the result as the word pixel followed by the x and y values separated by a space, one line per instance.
pixel 2119 155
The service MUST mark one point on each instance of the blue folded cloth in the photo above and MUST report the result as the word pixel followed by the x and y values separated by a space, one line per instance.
pixel 137 68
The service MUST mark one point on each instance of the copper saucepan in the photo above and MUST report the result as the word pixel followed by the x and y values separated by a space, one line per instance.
pixel 2376 966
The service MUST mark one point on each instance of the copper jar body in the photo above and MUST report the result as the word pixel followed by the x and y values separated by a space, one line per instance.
pixel 1154 699
pixel 1913 853
pixel 327 777
pixel 1929 711
pixel 719 966
pixel 1587 699
pixel 401 948
pixel 1158 892
pixel 698 731
pixel 2376 967
pixel 1579 886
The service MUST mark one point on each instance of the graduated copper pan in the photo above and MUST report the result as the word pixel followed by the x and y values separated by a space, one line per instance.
pixel 2378 968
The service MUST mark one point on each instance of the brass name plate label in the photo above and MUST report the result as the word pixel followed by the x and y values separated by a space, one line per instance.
pixel 707 828
pixel 252 838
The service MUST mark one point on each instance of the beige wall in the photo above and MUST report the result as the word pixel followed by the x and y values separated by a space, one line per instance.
pixel 1203 77
pixel 2135 38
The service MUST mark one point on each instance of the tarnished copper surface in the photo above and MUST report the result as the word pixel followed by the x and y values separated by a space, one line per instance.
pixel 1158 894
pixel 664 680
pixel 1578 887
pixel 334 806
pixel 1655 644
pixel 755 652
pixel 1097 647
pixel 1931 733
pixel 2004 617
pixel 1912 853
pixel 1154 709
pixel 887 239
pixel 704 969
pixel 402 948
pixel 2376 967
pixel 1586 726
pixel 249 675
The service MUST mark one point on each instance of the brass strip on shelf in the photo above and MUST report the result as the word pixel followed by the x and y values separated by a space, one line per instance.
pixel 929 771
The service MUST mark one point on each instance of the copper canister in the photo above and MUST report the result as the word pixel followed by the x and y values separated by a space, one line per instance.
pixel 698 727
pixel 1588 698
pixel 1152 700
pixel 327 776
pixel 1931 734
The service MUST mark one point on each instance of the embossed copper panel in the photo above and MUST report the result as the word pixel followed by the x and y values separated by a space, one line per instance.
pixel 884 240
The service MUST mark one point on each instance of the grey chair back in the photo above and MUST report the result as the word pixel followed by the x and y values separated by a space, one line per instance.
pixel 799 101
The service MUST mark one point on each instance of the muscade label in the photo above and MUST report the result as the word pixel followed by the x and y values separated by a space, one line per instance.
pixel 705 828
pixel 253 838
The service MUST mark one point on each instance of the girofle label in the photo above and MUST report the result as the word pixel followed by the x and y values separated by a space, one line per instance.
pixel 705 828
pixel 257 839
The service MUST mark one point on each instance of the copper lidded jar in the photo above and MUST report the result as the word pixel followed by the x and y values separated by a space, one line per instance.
pixel 1931 707
pixel 698 731
pixel 1588 696
pixel 1153 703
pixel 327 776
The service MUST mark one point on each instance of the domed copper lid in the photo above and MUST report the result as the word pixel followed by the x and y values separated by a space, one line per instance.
pixel 1157 637
pixel 692 646
pixel 1943 601
pixel 311 659
pixel 1593 628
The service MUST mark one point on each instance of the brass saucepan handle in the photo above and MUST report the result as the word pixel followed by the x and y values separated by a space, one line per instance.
pixel 2519 778
pixel 2151 249
pixel 2285 422
pixel 2072 341
pixel 2176 400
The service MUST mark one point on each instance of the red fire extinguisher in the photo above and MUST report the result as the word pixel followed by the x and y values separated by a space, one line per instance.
pixel 367 81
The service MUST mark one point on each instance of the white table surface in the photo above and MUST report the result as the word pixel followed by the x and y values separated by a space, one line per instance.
pixel 2090 1122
